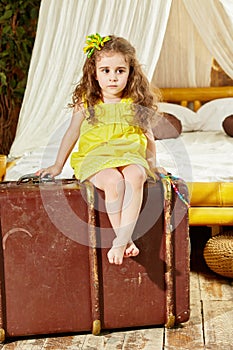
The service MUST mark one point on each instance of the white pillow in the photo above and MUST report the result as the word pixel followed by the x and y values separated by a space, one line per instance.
pixel 189 119
pixel 214 112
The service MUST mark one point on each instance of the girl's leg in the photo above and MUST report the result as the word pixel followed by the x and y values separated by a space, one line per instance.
pixel 111 181
pixel 123 198
pixel 131 249
pixel 134 176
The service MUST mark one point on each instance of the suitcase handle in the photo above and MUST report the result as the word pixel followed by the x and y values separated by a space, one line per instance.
pixel 33 178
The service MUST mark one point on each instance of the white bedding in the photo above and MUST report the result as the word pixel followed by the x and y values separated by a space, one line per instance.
pixel 203 153
pixel 200 156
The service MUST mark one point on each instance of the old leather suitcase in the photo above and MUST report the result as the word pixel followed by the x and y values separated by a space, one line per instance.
pixel 54 272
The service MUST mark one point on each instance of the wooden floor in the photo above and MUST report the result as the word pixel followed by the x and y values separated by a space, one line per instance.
pixel 210 325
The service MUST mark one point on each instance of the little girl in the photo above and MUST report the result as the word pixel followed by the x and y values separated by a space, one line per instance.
pixel 113 108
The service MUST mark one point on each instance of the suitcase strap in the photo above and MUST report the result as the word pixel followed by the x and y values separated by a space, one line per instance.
pixel 93 261
pixel 169 253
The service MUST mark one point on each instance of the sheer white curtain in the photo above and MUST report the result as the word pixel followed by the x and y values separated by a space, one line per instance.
pixel 214 22
pixel 228 7
pixel 197 31
pixel 57 58
pixel 184 60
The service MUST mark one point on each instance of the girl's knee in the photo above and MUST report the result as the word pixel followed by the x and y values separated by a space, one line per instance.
pixel 106 178
pixel 114 186
pixel 135 174
pixel 114 180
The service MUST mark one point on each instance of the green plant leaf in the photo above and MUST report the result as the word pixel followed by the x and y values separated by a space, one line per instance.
pixel 3 79
pixel 6 16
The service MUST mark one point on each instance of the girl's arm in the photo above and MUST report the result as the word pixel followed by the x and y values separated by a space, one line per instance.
pixel 151 149
pixel 67 144
pixel 151 153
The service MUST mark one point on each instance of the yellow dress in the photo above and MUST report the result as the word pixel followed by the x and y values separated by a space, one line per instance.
pixel 113 141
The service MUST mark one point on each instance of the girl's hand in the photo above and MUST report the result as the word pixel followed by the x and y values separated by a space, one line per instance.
pixel 151 163
pixel 52 170
pixel 161 170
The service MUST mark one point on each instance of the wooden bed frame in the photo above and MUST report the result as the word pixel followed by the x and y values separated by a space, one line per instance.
pixel 211 203
pixel 198 96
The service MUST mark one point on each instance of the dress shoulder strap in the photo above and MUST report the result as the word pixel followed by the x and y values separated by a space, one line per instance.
pixel 126 100
pixel 123 100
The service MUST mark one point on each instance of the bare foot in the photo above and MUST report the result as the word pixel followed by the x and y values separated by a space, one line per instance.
pixel 131 250
pixel 116 254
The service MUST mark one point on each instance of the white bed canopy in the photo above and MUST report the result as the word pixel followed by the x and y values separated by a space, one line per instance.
pixel 175 42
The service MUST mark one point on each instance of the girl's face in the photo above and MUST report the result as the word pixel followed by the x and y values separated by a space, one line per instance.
pixel 112 73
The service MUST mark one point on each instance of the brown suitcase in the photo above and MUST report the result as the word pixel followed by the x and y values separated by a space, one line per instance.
pixel 54 272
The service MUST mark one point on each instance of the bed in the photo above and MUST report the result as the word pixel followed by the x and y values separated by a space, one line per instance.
pixel 202 154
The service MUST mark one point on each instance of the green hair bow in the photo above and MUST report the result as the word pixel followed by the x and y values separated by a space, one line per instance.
pixel 94 41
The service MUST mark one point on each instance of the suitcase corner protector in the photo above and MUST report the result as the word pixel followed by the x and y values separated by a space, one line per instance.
pixel 170 321
pixel 96 327
pixel 2 335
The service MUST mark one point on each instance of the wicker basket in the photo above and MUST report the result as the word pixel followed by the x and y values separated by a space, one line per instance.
pixel 218 254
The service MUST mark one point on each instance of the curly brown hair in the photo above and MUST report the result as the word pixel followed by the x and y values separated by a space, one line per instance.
pixel 137 87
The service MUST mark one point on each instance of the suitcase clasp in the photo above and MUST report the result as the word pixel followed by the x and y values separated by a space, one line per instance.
pixel 35 179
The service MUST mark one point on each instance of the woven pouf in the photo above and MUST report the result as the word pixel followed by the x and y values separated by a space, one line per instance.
pixel 218 254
